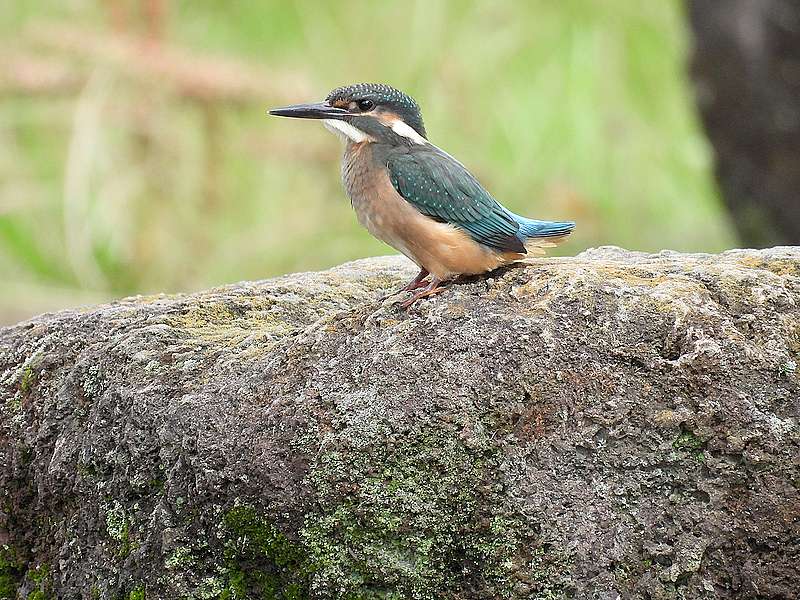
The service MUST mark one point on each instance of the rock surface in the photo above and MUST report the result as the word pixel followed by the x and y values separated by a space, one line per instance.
pixel 613 425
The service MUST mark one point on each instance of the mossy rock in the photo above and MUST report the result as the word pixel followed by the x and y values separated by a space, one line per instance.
pixel 615 424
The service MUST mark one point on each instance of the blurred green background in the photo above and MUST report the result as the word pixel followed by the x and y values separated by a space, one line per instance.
pixel 136 156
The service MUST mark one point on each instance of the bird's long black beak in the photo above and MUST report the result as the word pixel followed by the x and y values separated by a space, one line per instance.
pixel 317 110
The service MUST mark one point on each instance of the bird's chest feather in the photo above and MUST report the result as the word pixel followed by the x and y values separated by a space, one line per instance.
pixel 375 201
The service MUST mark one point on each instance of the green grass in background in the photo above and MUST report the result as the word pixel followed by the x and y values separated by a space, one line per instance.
pixel 577 109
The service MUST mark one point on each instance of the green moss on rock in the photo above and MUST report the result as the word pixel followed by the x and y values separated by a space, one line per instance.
pixel 118 527
pixel 28 379
pixel 229 324
pixel 778 266
pixel 180 557
pixel 260 562
pixel 136 594
pixel 687 442
pixel 40 577
pixel 11 571
pixel 417 522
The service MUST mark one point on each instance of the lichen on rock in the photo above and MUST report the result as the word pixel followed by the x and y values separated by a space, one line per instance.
pixel 615 424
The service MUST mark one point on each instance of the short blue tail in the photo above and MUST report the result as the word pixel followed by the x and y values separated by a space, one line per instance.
pixel 531 228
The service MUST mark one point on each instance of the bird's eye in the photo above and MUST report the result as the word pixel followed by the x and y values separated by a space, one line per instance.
pixel 365 105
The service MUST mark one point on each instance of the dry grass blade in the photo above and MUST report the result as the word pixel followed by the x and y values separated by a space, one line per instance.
pixel 21 74
pixel 201 78
pixel 82 155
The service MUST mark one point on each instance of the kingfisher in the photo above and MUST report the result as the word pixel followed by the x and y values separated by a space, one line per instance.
pixel 417 198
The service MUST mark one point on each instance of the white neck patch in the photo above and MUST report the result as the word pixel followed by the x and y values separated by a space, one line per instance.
pixel 408 132
pixel 346 131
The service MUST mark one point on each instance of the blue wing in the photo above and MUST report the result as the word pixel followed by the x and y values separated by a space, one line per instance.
pixel 440 187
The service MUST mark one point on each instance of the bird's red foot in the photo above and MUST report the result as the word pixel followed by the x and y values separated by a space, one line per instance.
pixel 434 287
pixel 414 284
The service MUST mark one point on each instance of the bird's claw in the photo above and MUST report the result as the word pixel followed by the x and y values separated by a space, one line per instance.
pixel 434 287
pixel 414 284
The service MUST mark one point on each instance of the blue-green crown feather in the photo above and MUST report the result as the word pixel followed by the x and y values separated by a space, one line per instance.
pixel 386 96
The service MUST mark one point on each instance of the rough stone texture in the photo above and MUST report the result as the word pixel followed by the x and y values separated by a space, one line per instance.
pixel 614 425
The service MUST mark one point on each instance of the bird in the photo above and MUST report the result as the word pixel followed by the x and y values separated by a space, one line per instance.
pixel 414 196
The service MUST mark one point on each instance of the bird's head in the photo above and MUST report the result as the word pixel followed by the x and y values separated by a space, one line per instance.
pixel 365 112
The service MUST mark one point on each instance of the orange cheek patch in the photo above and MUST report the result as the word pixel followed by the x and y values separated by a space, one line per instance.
pixel 387 118
pixel 394 122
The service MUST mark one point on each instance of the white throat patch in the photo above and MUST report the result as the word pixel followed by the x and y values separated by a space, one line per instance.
pixel 346 131
pixel 405 130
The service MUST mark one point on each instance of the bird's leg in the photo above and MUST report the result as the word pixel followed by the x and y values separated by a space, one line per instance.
pixel 416 282
pixel 434 287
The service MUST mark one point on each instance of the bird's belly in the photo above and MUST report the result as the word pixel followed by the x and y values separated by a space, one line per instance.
pixel 447 251
pixel 382 224
pixel 443 249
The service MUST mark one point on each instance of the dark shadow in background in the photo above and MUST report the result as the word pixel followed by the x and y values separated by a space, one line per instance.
pixel 746 70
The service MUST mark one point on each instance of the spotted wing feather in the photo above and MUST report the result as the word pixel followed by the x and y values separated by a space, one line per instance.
pixel 440 187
